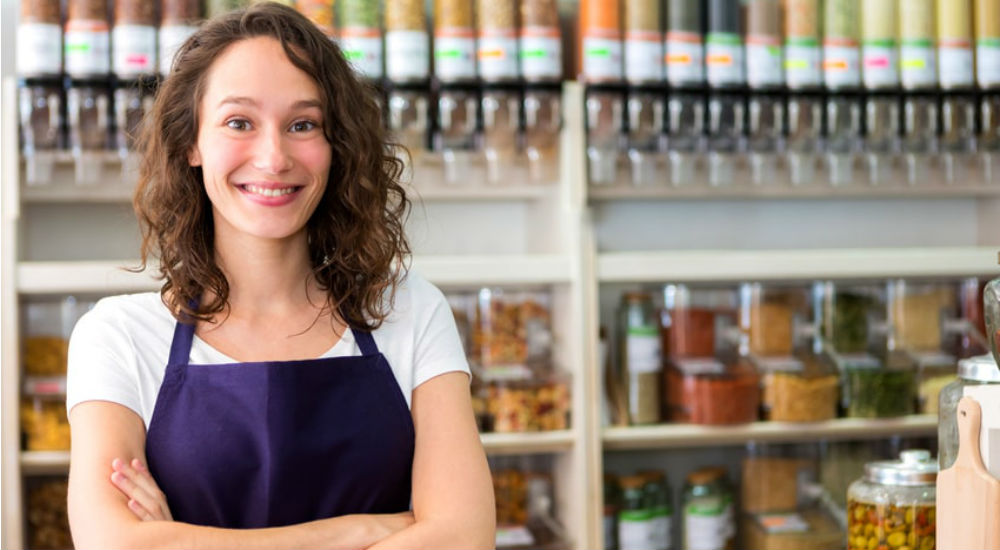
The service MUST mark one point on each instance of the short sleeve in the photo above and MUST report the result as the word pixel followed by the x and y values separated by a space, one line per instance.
pixel 102 362
pixel 437 346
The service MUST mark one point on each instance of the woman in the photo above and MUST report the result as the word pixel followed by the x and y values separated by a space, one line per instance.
pixel 291 385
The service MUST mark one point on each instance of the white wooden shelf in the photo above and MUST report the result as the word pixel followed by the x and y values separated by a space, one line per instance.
pixel 598 193
pixel 57 462
pixel 109 276
pixel 729 265
pixel 667 436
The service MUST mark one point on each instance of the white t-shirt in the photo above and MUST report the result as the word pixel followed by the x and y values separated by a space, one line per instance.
pixel 119 350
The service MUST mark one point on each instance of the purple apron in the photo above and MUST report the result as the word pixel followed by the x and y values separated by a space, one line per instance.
pixel 265 444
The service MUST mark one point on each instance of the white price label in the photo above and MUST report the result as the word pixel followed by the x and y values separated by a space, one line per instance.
pixel 602 58
pixel 363 49
pixel 407 55
pixel 133 50
pixel 724 60
pixel 685 58
pixel 880 66
pixel 764 63
pixel 988 63
pixel 841 66
pixel 956 68
pixel 88 48
pixel 643 350
pixel 171 39
pixel 643 57
pixel 497 56
pixel 918 65
pixel 803 65
pixel 541 53
pixel 39 49
pixel 455 55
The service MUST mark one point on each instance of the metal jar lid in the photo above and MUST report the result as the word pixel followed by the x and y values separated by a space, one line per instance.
pixel 914 467
pixel 981 368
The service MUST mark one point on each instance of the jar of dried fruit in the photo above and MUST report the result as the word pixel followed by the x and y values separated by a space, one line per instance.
pixel 893 505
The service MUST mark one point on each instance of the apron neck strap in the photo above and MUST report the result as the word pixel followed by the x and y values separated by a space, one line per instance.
pixel 180 347
pixel 365 342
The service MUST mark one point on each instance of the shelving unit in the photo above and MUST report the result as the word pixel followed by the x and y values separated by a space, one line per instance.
pixel 576 240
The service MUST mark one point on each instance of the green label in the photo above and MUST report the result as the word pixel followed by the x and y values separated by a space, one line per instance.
pixel 448 54
pixel 82 47
pixel 725 38
pixel 534 54
pixel 802 42
pixel 988 42
pixel 598 52
pixel 643 331
pixel 354 55
pixel 635 515
pixel 796 64
pixel 880 43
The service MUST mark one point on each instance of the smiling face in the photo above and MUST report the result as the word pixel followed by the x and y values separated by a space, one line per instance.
pixel 261 147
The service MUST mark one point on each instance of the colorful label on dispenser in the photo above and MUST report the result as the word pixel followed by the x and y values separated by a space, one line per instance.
pixel 363 49
pixel 454 54
pixel 724 59
pixel 841 65
pixel 803 63
pixel 643 345
pixel 685 58
pixel 39 49
pixel 498 55
pixel 133 50
pixel 541 53
pixel 171 38
pixel 880 61
pixel 956 67
pixel 602 58
pixel 764 62
pixel 988 62
pixel 637 530
pixel 88 48
pixel 407 55
pixel 643 57
pixel 918 64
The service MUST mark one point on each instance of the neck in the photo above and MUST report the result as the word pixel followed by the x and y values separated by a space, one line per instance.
pixel 268 278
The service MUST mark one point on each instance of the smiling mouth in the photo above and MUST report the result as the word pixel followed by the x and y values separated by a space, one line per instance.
pixel 269 191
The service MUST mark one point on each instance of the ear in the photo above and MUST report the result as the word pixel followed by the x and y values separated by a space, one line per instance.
pixel 194 157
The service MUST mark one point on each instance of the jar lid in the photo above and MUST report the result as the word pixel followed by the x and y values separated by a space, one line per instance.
pixel 914 467
pixel 981 368
pixel 632 482
pixel 707 475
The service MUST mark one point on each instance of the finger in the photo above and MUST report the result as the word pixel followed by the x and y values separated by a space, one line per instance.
pixel 136 493
pixel 139 511
pixel 143 479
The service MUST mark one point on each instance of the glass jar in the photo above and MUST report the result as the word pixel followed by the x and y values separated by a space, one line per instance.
pixel 635 525
pixel 852 316
pixel 520 400
pixel 697 322
pixel 512 328
pixel 132 101
pixel 501 128
pixel 893 505
pixel 48 325
pixel 708 515
pixel 640 357
pixel 44 425
pixel 972 340
pixel 973 371
pixel 659 500
pixel 408 121
pixel 39 39
pixel 133 38
pixel 41 125
pixel 511 490
pixel 880 389
pixel 707 391
pixel 457 131
pixel 87 39
pixel 991 309
pixel 542 123
pixel 798 389
pixel 46 514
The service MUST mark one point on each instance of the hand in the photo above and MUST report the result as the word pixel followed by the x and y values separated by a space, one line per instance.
pixel 145 498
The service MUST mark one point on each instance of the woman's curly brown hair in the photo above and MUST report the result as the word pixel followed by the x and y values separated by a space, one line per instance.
pixel 357 244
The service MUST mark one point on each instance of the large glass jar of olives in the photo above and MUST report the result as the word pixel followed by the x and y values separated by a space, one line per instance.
pixel 893 505
pixel 973 371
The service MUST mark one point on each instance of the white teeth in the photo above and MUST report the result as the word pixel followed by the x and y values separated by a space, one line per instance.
pixel 268 192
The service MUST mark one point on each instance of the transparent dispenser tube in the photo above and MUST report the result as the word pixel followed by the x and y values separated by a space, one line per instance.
pixel 645 136
pixel 958 138
pixel 542 123
pixel 40 112
pixel 408 124
pixel 726 136
pixel 604 135
pixel 686 141
pixel 989 138
pixel 920 141
pixel 501 116
pixel 882 137
pixel 843 137
pixel 805 137
pixel 132 102
pixel 89 109
pixel 766 139
pixel 456 137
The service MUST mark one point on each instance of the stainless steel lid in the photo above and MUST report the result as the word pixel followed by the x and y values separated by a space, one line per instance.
pixel 981 368
pixel 914 467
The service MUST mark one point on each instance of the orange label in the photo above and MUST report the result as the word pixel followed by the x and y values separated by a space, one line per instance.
pixel 839 64
pixel 679 59
pixel 719 59
pixel 360 32
pixel 491 54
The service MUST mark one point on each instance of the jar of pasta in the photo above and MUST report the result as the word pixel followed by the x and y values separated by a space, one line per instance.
pixel 893 505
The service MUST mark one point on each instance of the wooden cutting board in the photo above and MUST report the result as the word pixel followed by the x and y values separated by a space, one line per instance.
pixel 968 497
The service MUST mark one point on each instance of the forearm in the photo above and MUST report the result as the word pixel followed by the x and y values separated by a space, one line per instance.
pixel 346 532
pixel 443 535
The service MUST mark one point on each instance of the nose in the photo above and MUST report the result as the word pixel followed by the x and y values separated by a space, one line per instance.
pixel 271 154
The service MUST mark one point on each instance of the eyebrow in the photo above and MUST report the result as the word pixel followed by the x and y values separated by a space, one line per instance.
pixel 243 100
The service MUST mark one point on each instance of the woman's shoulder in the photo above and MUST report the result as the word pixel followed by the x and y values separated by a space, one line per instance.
pixel 128 312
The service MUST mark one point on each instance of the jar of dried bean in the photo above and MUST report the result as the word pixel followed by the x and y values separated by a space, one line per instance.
pixel 87 39
pixel 39 38
pixel 46 515
pixel 893 505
